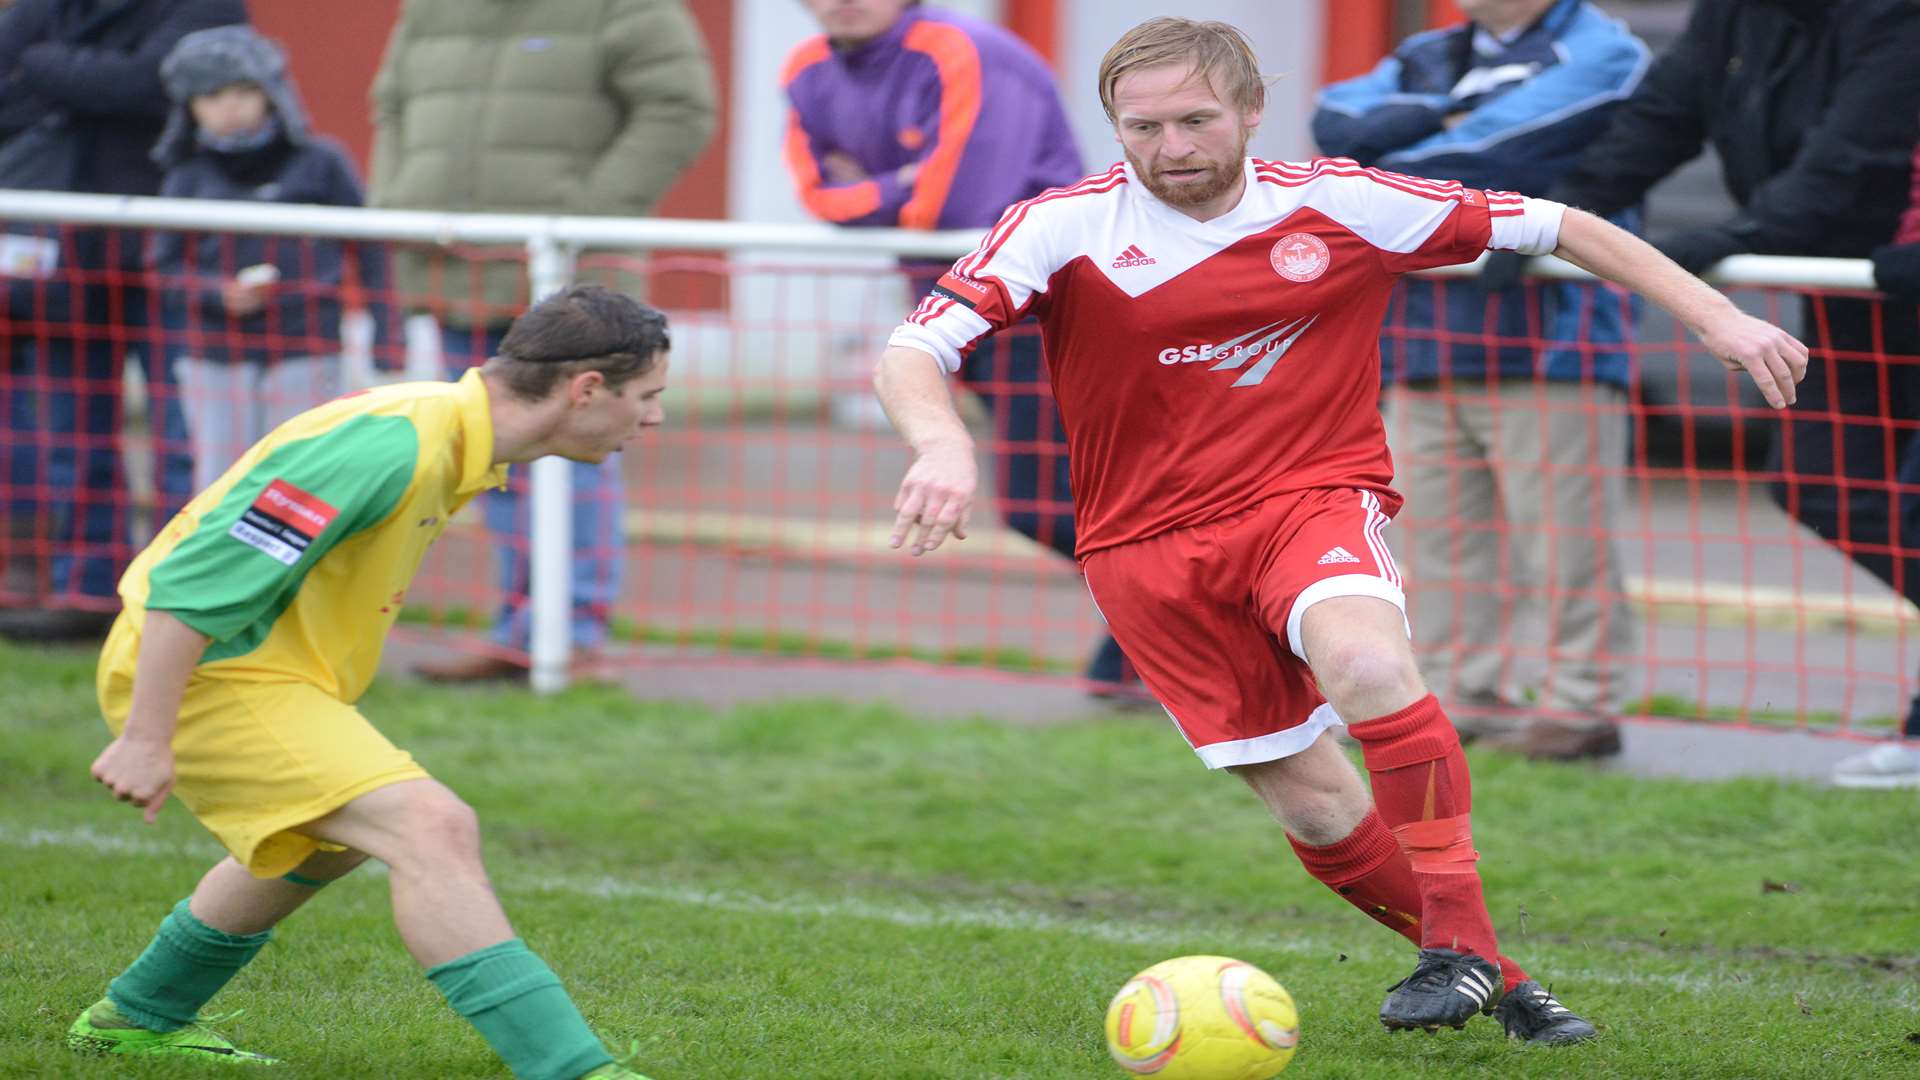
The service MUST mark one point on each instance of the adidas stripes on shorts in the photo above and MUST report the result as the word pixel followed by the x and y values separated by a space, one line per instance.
pixel 1210 615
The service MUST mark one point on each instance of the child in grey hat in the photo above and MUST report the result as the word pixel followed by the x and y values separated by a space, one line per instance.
pixel 252 322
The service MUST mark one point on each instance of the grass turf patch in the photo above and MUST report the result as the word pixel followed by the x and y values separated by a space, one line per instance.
pixel 820 889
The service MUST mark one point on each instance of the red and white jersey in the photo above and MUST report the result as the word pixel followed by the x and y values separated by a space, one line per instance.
pixel 1202 367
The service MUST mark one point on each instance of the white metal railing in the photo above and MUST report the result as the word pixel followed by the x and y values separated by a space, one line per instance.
pixel 436 227
pixel 552 242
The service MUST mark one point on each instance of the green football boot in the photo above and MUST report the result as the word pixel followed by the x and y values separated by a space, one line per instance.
pixel 195 1040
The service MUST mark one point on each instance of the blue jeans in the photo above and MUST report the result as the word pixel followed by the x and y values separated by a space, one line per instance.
pixel 1029 448
pixel 599 545
pixel 60 463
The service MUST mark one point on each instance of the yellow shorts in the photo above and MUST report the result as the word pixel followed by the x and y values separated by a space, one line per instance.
pixel 254 761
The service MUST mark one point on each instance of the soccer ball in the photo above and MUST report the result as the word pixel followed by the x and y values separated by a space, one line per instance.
pixel 1203 1018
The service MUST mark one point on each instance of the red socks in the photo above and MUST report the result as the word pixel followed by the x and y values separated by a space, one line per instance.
pixel 1425 797
pixel 1369 871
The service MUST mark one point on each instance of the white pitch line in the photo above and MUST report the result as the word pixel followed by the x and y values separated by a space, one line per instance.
pixel 1007 918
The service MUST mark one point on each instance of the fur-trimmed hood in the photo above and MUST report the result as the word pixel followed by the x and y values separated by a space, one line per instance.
pixel 207 60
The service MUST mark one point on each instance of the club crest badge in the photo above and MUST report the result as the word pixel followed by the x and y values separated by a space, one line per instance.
pixel 1300 257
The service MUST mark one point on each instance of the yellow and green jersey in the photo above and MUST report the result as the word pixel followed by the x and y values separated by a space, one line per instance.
pixel 296 561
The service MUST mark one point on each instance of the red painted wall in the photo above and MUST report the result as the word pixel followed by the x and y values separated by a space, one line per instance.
pixel 1443 13
pixel 1038 24
pixel 334 49
pixel 1357 33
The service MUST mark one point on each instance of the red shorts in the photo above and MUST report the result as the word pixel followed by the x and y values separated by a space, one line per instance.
pixel 1210 615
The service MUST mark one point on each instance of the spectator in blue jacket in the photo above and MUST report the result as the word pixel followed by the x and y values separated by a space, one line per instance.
pixel 921 119
pixel 94 66
pixel 1507 406
pixel 252 321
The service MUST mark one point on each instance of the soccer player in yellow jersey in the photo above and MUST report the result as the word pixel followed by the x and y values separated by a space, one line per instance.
pixel 256 619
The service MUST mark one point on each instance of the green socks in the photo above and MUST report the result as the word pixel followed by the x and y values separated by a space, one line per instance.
pixel 184 966
pixel 520 1008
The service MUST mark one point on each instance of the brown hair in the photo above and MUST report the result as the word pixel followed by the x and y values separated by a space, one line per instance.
pixel 580 328
pixel 1217 49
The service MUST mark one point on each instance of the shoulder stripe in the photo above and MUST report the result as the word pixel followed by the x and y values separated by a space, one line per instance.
pixel 990 245
pixel 1349 167
pixel 1452 193
pixel 1012 213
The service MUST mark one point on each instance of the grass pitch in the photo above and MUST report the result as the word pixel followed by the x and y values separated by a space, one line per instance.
pixel 826 890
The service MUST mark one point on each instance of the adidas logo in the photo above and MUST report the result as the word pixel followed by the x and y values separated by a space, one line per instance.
pixel 1338 555
pixel 1133 256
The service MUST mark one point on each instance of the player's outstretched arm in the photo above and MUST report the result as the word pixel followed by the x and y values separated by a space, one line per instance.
pixel 1775 359
pixel 138 766
pixel 936 496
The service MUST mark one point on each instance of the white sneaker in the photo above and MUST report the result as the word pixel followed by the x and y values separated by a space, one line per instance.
pixel 1888 765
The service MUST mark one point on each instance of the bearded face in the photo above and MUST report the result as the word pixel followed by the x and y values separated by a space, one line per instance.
pixel 1187 146
pixel 1195 179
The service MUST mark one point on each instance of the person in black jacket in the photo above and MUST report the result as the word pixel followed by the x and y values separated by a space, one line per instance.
pixel 254 321
pixel 1810 105
pixel 66 330
pixel 1896 270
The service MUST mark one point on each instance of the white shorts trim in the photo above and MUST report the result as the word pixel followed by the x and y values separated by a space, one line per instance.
pixel 1343 585
pixel 1272 747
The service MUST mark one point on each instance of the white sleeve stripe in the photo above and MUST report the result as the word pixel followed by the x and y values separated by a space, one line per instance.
pixel 1534 230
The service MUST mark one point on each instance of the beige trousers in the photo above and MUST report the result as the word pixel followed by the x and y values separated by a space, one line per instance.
pixel 1513 489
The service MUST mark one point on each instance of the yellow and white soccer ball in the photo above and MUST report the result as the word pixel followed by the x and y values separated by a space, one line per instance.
pixel 1203 1018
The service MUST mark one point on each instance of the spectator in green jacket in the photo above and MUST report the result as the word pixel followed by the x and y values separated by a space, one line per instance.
pixel 532 106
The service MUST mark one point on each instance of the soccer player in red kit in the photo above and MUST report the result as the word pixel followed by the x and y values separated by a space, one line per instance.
pixel 1211 329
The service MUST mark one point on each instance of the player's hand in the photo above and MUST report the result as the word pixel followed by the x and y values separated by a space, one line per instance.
pixel 1775 359
pixel 137 771
pixel 936 498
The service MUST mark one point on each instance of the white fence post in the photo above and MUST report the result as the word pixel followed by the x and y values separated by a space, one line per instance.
pixel 550 645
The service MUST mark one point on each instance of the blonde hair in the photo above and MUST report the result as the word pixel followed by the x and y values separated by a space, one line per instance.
pixel 1217 49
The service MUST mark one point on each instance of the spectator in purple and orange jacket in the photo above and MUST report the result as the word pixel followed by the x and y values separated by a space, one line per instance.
pixel 895 121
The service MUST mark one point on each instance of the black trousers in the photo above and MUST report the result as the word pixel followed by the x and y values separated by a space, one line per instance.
pixel 1849 451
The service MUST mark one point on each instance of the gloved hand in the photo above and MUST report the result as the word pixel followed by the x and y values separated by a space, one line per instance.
pixel 1697 250
pixel 1896 270
pixel 1503 270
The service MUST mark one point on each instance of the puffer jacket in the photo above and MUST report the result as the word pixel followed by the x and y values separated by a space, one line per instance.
pixel 531 106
